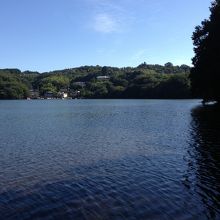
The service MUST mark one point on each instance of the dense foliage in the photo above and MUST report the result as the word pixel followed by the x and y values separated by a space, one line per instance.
pixel 144 81
pixel 13 85
pixel 205 75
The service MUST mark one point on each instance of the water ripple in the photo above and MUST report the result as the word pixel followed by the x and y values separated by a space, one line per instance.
pixel 108 159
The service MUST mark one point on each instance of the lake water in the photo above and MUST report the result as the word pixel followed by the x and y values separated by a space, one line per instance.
pixel 109 159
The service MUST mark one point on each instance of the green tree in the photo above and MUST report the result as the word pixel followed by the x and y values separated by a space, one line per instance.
pixel 175 87
pixel 11 86
pixel 205 75
pixel 48 87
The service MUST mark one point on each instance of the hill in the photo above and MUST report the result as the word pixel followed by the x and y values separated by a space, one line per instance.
pixel 143 81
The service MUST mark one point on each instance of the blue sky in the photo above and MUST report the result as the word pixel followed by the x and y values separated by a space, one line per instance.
pixel 46 35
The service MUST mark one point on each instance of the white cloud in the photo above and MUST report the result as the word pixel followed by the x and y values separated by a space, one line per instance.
pixel 109 17
pixel 105 23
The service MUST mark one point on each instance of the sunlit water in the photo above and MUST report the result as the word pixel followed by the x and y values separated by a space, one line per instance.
pixel 109 159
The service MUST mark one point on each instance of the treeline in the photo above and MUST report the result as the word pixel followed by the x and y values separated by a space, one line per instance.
pixel 205 75
pixel 143 81
pixel 13 84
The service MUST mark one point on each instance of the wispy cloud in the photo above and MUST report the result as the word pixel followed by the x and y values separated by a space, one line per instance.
pixel 109 17
pixel 105 23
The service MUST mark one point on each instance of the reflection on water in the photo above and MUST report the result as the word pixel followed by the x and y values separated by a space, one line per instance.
pixel 109 159
pixel 205 157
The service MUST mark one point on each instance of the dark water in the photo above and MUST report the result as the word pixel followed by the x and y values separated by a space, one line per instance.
pixel 105 159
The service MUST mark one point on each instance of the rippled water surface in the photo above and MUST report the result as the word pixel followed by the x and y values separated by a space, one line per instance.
pixel 109 159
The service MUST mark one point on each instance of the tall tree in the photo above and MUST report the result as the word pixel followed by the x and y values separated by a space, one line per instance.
pixel 205 75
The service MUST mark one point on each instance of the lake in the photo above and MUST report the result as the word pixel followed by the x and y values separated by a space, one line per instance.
pixel 109 159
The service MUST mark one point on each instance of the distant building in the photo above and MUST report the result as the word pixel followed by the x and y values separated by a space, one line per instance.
pixel 82 84
pixel 34 94
pixel 48 95
pixel 75 94
pixel 64 90
pixel 62 95
pixel 103 77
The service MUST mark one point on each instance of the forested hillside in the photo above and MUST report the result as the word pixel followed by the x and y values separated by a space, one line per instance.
pixel 144 81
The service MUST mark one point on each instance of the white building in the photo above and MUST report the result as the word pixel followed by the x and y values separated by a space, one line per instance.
pixel 63 95
pixel 102 77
